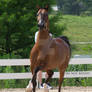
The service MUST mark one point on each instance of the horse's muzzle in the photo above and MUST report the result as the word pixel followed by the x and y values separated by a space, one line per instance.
pixel 41 25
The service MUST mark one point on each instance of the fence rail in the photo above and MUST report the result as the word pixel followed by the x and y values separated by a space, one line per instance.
pixel 82 43
pixel 28 75
pixel 21 62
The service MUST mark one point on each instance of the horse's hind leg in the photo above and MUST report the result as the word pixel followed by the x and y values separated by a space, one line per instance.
pixel 61 80
pixel 50 73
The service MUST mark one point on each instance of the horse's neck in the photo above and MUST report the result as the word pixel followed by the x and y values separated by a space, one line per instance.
pixel 43 37
pixel 44 34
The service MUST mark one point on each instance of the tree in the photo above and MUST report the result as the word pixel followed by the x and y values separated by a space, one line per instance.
pixel 75 7
pixel 18 25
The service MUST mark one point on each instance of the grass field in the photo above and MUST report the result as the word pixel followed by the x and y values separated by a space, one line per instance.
pixel 78 29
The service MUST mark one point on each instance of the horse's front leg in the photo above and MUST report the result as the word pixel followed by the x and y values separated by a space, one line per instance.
pixel 35 77
pixel 34 82
pixel 50 73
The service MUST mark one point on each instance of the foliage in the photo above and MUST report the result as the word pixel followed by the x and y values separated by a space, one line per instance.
pixel 86 13
pixel 75 7
pixel 55 28
pixel 18 25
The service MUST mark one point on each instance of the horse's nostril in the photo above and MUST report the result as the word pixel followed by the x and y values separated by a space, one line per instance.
pixel 38 25
pixel 41 25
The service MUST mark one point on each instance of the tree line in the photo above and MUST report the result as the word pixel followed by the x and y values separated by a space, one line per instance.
pixel 75 7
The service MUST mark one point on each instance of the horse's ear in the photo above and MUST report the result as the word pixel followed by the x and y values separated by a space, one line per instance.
pixel 46 7
pixel 38 7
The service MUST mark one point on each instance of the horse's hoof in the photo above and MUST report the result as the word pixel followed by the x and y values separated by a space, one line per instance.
pixel 29 87
pixel 45 87
pixel 28 90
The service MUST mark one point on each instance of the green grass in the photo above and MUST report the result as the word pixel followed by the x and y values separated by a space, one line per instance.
pixel 78 29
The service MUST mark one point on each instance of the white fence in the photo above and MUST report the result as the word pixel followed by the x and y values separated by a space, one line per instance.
pixel 82 43
pixel 28 75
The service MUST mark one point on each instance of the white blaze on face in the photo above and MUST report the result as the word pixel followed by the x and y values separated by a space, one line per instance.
pixel 40 21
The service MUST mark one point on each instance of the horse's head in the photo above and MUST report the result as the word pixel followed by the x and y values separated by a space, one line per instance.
pixel 42 18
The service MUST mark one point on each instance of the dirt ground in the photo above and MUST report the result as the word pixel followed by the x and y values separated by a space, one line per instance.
pixel 64 89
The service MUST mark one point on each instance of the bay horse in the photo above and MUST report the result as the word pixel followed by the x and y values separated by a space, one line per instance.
pixel 48 53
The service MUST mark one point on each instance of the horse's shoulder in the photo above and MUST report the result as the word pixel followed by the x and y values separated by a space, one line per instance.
pixel 34 52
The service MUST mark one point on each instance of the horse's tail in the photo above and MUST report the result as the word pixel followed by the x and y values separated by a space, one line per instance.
pixel 67 41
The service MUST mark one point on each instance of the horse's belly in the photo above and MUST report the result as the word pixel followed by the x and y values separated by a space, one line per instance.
pixel 53 64
pixel 57 60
